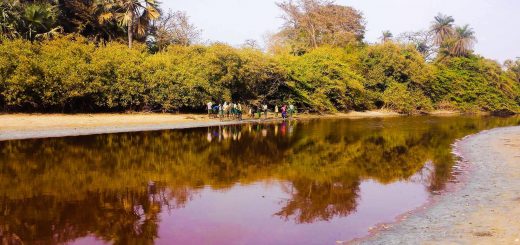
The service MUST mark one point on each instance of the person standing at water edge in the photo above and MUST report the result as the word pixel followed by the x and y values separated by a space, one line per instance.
pixel 259 111
pixel 221 112
pixel 284 112
pixel 210 107
pixel 276 111
pixel 239 111
pixel 264 108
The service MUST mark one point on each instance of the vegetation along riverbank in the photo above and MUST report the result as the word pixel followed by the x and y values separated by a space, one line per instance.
pixel 83 56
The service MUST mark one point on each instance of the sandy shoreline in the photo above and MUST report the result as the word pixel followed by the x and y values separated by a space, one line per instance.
pixel 483 210
pixel 26 126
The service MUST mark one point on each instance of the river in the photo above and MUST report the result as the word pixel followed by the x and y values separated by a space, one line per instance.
pixel 298 182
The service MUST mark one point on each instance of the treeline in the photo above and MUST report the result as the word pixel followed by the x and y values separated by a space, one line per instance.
pixel 71 74
pixel 317 61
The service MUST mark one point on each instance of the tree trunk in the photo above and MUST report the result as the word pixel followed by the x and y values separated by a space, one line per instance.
pixel 130 31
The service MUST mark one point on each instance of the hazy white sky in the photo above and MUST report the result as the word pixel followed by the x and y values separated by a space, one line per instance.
pixel 496 22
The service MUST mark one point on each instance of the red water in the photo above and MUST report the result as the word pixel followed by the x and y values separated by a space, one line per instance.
pixel 246 214
pixel 321 182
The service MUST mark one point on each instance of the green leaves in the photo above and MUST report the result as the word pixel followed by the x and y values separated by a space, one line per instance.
pixel 70 74
pixel 473 83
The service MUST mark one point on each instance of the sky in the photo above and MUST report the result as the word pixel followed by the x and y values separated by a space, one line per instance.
pixel 496 22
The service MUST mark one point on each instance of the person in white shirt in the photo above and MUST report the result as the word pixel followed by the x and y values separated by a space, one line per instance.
pixel 291 110
pixel 210 107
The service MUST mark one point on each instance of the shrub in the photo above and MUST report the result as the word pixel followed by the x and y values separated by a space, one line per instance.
pixel 70 74
pixel 324 80
pixel 473 83
pixel 397 97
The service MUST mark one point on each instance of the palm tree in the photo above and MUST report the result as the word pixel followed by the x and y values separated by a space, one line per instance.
pixel 442 27
pixel 38 19
pixel 135 15
pixel 386 36
pixel 463 41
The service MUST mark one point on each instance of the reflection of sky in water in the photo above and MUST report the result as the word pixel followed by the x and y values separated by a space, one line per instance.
pixel 244 215
pixel 313 182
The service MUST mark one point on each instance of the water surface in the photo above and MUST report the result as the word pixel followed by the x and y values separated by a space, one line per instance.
pixel 309 182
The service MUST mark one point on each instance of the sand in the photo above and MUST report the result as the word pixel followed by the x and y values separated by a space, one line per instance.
pixel 25 126
pixel 484 209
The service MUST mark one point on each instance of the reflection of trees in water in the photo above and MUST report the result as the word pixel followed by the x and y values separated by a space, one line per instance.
pixel 115 217
pixel 126 217
pixel 100 184
pixel 312 201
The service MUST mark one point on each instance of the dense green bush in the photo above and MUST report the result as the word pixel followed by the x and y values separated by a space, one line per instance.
pixel 395 74
pixel 324 79
pixel 70 74
pixel 398 98
pixel 473 83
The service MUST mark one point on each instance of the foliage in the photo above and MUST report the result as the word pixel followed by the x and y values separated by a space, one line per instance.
pixel 513 68
pixel 452 41
pixel 31 20
pixel 398 98
pixel 99 20
pixel 386 36
pixel 462 42
pixel 389 62
pixel 72 74
pixel 424 42
pixel 324 79
pixel 317 61
pixel 400 67
pixel 473 83
pixel 312 23
pixel 174 28
pixel 135 15
pixel 442 26
pixel 9 19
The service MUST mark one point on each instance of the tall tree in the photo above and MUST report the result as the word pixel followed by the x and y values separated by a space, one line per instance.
pixel 514 68
pixel 39 19
pixel 462 42
pixel 83 17
pixel 251 44
pixel 311 23
pixel 135 15
pixel 443 28
pixel 175 28
pixel 386 36
pixel 424 42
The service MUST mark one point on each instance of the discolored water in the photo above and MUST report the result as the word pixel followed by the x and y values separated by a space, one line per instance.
pixel 310 182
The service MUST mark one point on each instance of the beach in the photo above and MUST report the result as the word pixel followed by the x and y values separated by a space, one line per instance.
pixel 27 126
pixel 482 209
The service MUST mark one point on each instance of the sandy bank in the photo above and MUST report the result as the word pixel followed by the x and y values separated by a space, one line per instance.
pixel 485 209
pixel 24 126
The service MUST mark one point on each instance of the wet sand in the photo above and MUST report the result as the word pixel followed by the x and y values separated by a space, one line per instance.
pixel 25 126
pixel 484 208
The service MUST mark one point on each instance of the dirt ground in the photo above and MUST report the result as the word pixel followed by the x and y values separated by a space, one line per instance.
pixel 486 208
pixel 24 126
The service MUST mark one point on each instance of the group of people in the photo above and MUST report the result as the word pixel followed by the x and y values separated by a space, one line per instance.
pixel 230 110
pixel 235 111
